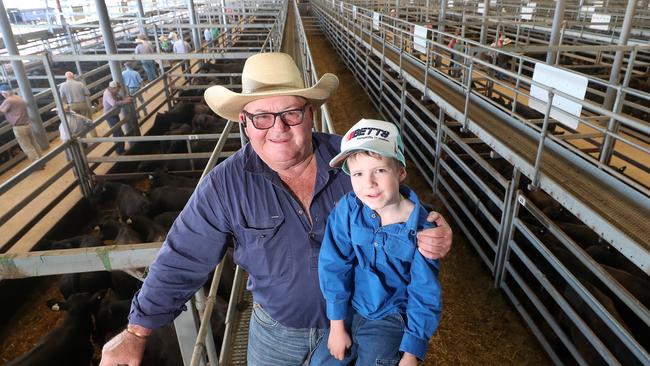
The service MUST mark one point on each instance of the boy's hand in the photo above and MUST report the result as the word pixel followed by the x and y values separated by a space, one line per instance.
pixel 339 340
pixel 408 360
pixel 435 242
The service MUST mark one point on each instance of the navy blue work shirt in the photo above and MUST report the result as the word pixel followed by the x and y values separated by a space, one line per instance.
pixel 275 242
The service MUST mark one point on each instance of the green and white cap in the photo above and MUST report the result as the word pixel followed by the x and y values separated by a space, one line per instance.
pixel 380 137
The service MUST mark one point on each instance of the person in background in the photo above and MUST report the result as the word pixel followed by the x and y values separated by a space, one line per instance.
pixel 113 103
pixel 15 111
pixel 133 82
pixel 382 294
pixel 165 44
pixel 144 48
pixel 181 46
pixel 76 97
pixel 207 34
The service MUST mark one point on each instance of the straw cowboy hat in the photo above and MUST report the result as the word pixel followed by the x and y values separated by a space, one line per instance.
pixel 268 75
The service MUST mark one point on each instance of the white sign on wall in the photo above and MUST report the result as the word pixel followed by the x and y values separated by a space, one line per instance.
pixel 481 8
pixel 354 12
pixel 420 35
pixel 528 10
pixel 564 81
pixel 600 18
pixel 375 20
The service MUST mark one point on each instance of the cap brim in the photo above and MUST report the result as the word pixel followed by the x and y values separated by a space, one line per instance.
pixel 228 104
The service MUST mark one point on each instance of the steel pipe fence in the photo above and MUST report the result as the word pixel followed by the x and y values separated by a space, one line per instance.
pixel 480 189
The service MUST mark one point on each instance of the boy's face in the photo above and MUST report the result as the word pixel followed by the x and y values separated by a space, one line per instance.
pixel 375 180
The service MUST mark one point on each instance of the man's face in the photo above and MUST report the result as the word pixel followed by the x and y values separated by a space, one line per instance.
pixel 280 144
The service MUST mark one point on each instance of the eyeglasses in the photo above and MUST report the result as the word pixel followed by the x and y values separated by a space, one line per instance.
pixel 264 121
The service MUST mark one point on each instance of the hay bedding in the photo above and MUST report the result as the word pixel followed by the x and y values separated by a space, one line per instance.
pixel 478 327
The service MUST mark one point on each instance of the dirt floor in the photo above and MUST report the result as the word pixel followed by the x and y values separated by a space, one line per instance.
pixel 479 326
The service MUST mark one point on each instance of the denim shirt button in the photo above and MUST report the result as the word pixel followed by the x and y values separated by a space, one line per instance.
pixel 374 216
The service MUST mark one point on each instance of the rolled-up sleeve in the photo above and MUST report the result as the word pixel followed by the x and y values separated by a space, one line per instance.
pixel 335 263
pixel 195 244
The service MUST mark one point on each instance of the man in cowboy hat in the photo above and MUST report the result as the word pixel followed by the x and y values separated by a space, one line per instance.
pixel 273 196
pixel 144 48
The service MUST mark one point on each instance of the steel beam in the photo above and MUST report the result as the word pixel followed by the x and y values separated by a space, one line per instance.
pixel 558 17
pixel 52 262
pixel 21 77
pixel 618 59
pixel 196 38
pixel 141 17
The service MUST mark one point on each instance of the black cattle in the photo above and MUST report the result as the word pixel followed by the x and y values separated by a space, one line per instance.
pixel 148 229
pixel 170 198
pixel 124 285
pixel 111 317
pixel 166 219
pixel 606 254
pixel 162 178
pixel 176 146
pixel 91 282
pixel 67 344
pixel 204 123
pixel 597 325
pixel 80 241
pixel 128 200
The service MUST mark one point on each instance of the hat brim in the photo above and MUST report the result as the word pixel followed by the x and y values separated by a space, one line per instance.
pixel 228 104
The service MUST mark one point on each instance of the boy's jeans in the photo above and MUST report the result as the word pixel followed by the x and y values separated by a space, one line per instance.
pixel 272 344
pixel 374 342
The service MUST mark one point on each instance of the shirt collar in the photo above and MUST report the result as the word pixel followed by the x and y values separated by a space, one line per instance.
pixel 411 224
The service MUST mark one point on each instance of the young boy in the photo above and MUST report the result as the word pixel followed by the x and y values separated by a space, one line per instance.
pixel 377 285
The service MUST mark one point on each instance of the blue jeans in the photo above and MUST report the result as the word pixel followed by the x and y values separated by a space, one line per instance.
pixel 374 342
pixel 112 121
pixel 149 69
pixel 272 344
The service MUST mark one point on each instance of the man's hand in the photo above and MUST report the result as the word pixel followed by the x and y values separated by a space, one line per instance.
pixel 339 340
pixel 408 360
pixel 434 243
pixel 124 349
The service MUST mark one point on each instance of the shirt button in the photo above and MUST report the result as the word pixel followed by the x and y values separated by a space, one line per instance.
pixel 376 244
pixel 374 216
pixel 312 235
pixel 299 212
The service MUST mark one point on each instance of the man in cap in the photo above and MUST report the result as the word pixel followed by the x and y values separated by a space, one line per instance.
pixel 76 97
pixel 113 103
pixel 132 81
pixel 273 196
pixel 15 111
pixel 144 48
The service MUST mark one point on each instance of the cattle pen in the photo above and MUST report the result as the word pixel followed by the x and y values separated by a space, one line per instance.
pixel 549 204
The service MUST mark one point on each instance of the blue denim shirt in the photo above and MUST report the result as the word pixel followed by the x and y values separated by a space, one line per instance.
pixel 275 242
pixel 378 270
pixel 132 79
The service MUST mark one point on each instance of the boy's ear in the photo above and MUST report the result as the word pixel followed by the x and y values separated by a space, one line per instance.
pixel 402 173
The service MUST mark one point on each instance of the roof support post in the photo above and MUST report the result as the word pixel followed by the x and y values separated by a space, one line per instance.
pixel 614 75
pixel 196 39
pixel 558 18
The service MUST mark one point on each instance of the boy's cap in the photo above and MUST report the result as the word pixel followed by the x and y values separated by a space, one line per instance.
pixel 380 137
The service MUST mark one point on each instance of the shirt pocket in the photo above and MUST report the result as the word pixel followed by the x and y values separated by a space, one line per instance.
pixel 264 253
pixel 398 247
pixel 363 243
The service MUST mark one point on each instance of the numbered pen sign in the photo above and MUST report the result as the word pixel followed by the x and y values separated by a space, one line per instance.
pixel 528 10
pixel 481 8
pixel 601 20
pixel 564 81
pixel 375 20
pixel 420 34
